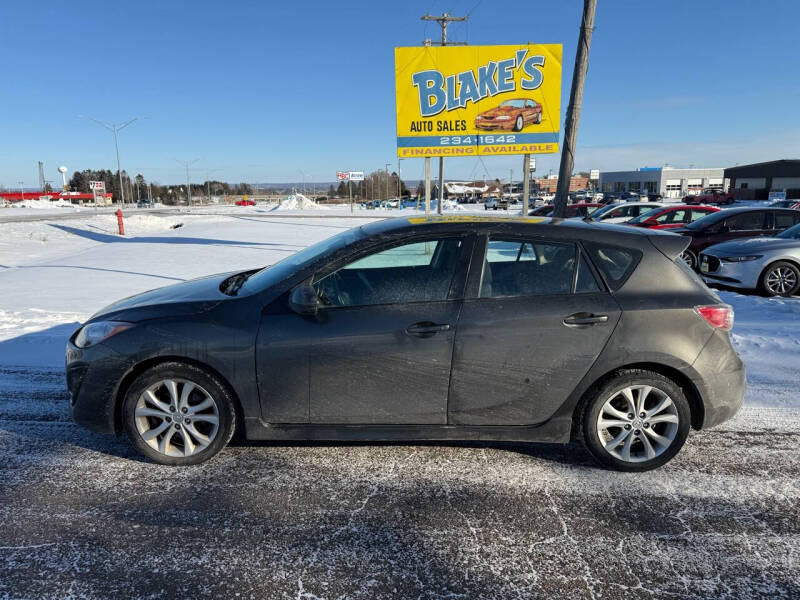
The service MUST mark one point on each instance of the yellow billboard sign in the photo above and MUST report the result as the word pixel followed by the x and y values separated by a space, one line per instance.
pixel 477 100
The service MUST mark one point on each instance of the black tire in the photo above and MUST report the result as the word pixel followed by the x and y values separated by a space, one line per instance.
pixel 519 123
pixel 538 119
pixel 773 270
pixel 621 380
pixel 690 258
pixel 225 407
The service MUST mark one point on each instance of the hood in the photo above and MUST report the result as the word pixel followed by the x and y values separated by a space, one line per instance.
pixel 187 298
pixel 753 245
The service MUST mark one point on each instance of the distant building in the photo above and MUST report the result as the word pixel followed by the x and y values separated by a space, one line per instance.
pixel 756 181
pixel 549 184
pixel 73 197
pixel 669 182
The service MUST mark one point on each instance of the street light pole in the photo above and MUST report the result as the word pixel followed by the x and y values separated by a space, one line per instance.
pixel 187 164
pixel 116 128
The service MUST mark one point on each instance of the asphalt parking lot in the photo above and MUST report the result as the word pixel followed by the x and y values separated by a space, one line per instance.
pixel 83 516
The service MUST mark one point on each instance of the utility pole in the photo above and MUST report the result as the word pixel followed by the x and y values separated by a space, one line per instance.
pixel 116 128
pixel 187 164
pixel 574 108
pixel 443 20
pixel 387 184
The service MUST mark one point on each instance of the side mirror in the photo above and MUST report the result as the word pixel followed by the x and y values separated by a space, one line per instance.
pixel 304 300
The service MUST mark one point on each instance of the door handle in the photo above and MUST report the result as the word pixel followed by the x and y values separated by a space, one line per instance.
pixel 583 318
pixel 426 328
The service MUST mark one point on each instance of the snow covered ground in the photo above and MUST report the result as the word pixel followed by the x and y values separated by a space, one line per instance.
pixel 84 516
pixel 55 274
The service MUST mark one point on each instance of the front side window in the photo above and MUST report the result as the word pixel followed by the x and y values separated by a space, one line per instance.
pixel 699 214
pixel 421 271
pixel 528 268
pixel 751 221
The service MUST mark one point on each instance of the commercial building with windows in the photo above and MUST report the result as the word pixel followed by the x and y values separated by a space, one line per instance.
pixel 669 182
pixel 756 181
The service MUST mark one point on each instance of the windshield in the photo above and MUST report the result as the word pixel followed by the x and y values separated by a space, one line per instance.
pixel 793 233
pixel 644 216
pixel 704 222
pixel 606 209
pixel 514 103
pixel 293 263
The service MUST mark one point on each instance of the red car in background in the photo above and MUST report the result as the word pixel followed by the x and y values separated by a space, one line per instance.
pixel 511 115
pixel 668 217
pixel 245 203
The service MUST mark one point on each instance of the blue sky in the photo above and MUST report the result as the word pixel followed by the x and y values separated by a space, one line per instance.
pixel 260 91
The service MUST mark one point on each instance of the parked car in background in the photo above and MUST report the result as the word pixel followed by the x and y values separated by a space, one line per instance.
pixel 710 197
pixel 734 223
pixel 623 211
pixel 670 216
pixel 510 115
pixel 768 264
pixel 551 323
pixel 495 202
pixel 792 203
pixel 610 198
pixel 144 203
pixel 654 197
pixel 245 203
pixel 580 210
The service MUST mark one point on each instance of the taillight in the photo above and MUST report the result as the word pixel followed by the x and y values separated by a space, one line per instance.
pixel 719 316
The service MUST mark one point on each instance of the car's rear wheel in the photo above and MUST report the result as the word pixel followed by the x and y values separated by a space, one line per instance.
pixel 178 414
pixel 781 278
pixel 538 118
pixel 519 123
pixel 690 258
pixel 636 421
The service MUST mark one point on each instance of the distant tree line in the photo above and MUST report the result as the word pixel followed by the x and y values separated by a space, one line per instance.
pixel 138 187
pixel 378 185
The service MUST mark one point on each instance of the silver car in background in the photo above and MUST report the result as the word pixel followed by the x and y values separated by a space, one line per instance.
pixel 768 264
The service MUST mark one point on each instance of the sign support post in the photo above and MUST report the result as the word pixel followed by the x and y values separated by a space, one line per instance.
pixel 427 186
pixel 526 183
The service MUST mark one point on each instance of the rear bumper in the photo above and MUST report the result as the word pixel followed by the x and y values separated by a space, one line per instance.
pixel 720 379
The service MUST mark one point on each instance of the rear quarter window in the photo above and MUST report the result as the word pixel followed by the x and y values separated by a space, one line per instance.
pixel 615 263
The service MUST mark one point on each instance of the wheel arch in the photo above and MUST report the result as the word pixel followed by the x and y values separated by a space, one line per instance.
pixel 676 375
pixel 140 367
pixel 792 260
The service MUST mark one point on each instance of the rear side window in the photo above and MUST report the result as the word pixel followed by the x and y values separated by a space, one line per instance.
pixel 527 268
pixel 785 220
pixel 614 262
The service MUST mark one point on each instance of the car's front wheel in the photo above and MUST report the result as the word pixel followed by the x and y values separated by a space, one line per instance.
pixel 178 414
pixel 689 258
pixel 636 421
pixel 781 278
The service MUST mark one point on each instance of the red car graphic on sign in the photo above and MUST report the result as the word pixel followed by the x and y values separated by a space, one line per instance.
pixel 511 115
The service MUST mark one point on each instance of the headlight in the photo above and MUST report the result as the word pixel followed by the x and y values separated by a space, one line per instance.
pixel 741 258
pixel 502 118
pixel 94 333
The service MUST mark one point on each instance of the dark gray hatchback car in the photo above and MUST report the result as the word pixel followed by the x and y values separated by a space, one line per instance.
pixel 453 328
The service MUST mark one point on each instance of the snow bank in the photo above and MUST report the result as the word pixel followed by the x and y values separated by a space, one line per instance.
pixel 42 204
pixel 298 202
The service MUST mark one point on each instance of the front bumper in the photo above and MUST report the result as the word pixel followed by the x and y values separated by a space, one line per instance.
pixel 93 375
pixel 744 275
pixel 495 125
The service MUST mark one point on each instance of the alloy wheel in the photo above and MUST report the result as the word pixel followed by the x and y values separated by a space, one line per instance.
pixel 688 258
pixel 176 417
pixel 637 423
pixel 781 280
